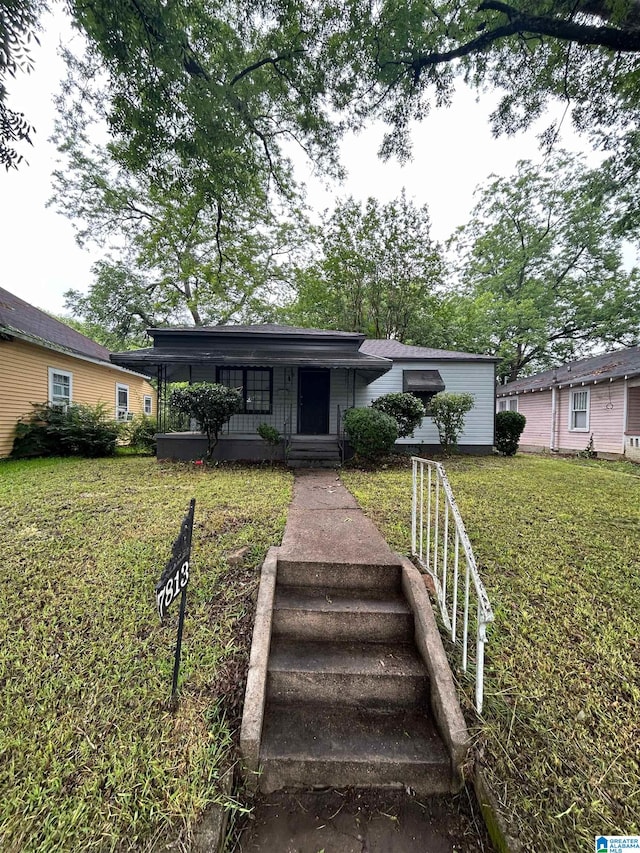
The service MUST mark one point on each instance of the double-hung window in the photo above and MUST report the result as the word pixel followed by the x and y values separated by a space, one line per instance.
pixel 146 401
pixel 579 411
pixel 508 404
pixel 254 383
pixel 60 387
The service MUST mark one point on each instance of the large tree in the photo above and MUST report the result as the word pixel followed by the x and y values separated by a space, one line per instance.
pixel 19 23
pixel 375 272
pixel 541 270
pixel 171 255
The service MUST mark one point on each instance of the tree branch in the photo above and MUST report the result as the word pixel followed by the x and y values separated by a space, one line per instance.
pixel 612 38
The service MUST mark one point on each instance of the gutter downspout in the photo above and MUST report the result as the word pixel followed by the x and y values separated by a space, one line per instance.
pixel 552 442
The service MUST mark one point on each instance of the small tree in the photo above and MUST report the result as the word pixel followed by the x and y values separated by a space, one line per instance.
pixel 211 405
pixel 370 432
pixel 509 426
pixel 407 410
pixel 448 412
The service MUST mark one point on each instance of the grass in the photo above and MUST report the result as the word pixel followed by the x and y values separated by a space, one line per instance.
pixel 91 755
pixel 558 544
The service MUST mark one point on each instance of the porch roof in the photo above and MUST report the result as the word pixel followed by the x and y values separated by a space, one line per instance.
pixel 177 358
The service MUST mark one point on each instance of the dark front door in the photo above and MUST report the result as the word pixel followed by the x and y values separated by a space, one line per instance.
pixel 313 400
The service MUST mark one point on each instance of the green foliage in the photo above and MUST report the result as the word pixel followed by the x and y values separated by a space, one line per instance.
pixel 370 432
pixel 19 23
pixel 268 433
pixel 448 411
pixel 94 758
pixel 376 273
pixel 542 269
pixel 141 433
pixel 509 427
pixel 76 430
pixel 406 409
pixel 210 404
pixel 557 542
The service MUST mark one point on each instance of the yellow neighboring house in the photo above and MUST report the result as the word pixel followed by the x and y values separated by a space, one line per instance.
pixel 43 360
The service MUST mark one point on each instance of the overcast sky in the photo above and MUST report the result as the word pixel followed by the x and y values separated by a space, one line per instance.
pixel 454 152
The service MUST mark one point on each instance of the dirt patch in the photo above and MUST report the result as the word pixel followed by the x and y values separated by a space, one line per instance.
pixel 357 821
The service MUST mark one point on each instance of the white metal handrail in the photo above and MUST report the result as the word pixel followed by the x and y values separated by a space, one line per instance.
pixel 437 529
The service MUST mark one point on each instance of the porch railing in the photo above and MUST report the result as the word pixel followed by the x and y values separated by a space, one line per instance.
pixel 439 542
pixel 340 433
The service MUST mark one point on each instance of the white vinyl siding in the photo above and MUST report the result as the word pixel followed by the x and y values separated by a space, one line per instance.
pixel 579 411
pixel 60 387
pixel 476 378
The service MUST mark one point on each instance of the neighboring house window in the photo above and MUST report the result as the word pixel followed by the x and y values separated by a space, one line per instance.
pixel 147 404
pixel 509 404
pixel 122 402
pixel 60 387
pixel 579 411
pixel 255 385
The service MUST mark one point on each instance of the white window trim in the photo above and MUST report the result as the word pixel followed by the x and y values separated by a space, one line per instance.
pixel 586 391
pixel 60 372
pixel 147 404
pixel 507 402
pixel 121 387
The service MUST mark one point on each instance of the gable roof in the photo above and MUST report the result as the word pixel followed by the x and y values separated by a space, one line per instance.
pixel 618 364
pixel 21 320
pixel 403 352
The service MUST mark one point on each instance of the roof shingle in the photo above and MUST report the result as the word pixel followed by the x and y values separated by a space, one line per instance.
pixel 19 317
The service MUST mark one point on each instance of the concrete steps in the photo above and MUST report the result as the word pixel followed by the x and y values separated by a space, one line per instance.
pixel 312 745
pixel 313 452
pixel 375 675
pixel 347 693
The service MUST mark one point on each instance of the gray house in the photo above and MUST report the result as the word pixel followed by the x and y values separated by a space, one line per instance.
pixel 301 381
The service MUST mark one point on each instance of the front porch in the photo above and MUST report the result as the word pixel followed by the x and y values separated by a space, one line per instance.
pixel 298 381
pixel 299 451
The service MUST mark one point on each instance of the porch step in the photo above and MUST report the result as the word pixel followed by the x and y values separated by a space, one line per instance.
pixel 375 675
pixel 367 577
pixel 340 745
pixel 341 615
pixel 313 452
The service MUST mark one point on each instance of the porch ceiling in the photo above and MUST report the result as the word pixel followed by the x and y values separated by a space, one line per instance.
pixel 178 360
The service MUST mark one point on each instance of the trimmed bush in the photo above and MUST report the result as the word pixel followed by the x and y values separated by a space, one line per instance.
pixel 370 431
pixel 448 412
pixel 76 430
pixel 211 405
pixel 509 427
pixel 407 410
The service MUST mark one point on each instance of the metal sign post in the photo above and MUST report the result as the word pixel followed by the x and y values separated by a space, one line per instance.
pixel 173 582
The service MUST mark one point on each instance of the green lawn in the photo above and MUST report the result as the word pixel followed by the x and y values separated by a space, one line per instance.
pixel 558 544
pixel 91 755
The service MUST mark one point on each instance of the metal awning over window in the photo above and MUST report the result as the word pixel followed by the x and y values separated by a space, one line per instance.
pixel 422 382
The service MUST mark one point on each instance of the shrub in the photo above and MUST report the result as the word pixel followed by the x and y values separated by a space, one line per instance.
pixel 76 430
pixel 407 410
pixel 268 433
pixel 211 405
pixel 370 431
pixel 141 433
pixel 448 412
pixel 509 426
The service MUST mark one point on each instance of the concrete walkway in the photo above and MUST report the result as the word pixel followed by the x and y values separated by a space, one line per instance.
pixel 326 526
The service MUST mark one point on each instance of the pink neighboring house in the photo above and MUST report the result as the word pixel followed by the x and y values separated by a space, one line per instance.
pixel 567 405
